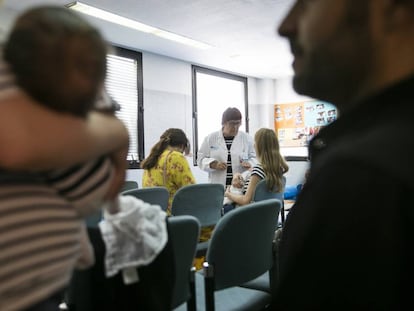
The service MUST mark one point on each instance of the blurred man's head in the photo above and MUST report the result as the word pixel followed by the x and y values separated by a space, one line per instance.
pixel 231 121
pixel 340 46
pixel 58 58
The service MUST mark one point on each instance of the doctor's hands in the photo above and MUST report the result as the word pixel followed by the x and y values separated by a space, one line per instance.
pixel 245 164
pixel 217 165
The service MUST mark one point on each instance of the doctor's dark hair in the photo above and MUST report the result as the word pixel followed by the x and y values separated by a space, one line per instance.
pixel 172 137
pixel 231 114
pixel 45 49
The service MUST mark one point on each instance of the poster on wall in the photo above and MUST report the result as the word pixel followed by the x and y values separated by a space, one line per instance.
pixel 296 123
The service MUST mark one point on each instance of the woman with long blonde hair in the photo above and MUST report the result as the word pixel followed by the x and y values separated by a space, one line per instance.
pixel 271 167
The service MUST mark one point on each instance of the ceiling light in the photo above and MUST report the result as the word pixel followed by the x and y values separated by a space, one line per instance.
pixel 126 22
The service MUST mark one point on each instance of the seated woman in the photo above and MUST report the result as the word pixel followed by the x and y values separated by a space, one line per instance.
pixel 166 165
pixel 271 166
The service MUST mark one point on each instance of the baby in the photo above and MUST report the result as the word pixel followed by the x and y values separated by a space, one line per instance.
pixel 58 59
pixel 236 187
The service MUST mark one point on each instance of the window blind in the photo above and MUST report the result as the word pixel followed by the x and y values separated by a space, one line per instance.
pixel 121 84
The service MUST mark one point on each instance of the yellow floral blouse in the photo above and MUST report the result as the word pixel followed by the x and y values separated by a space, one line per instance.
pixel 178 174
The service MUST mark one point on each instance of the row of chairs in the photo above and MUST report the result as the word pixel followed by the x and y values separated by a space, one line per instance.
pixel 207 197
pixel 236 255
pixel 159 196
pixel 233 255
pixel 240 250
pixel 203 201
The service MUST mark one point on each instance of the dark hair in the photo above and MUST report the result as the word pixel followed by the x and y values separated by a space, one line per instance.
pixel 231 114
pixel 172 137
pixel 45 44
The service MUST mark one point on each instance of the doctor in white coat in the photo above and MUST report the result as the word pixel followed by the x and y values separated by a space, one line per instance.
pixel 228 151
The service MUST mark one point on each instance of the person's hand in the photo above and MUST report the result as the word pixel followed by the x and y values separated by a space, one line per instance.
pixel 238 180
pixel 245 164
pixel 217 165
pixel 237 176
pixel 227 192
pixel 119 161
pixel 112 207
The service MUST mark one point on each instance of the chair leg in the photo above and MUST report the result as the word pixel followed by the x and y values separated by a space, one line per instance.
pixel 282 213
pixel 209 286
pixel 192 302
pixel 209 293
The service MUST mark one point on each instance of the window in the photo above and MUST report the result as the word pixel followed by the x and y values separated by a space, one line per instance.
pixel 124 84
pixel 214 92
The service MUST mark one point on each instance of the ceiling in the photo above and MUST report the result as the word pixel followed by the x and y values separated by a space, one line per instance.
pixel 242 32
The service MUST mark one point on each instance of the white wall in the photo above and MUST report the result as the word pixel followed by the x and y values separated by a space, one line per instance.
pixel 285 92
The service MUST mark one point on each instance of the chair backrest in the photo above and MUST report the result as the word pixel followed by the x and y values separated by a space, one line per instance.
pixel 129 184
pixel 152 195
pixel 203 201
pixel 91 290
pixel 262 193
pixel 183 233
pixel 241 246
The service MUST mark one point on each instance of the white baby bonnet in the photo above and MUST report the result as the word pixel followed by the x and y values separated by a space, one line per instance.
pixel 134 236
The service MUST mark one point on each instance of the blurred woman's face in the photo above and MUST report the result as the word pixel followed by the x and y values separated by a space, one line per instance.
pixel 231 128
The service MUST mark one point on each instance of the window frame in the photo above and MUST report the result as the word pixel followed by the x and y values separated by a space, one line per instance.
pixel 137 57
pixel 198 69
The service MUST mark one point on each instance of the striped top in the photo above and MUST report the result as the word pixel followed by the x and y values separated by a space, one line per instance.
pixel 40 219
pixel 257 170
pixel 229 173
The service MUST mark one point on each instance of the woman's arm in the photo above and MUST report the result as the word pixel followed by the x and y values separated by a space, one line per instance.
pixel 35 138
pixel 248 196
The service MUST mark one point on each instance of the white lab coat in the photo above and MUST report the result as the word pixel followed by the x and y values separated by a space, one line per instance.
pixel 214 148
